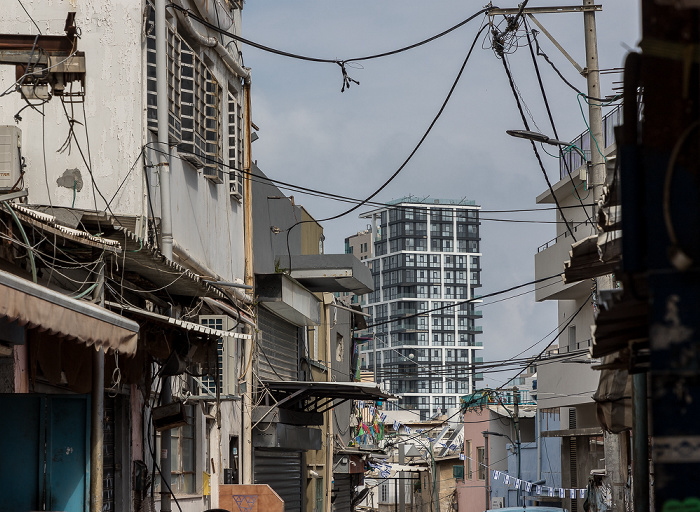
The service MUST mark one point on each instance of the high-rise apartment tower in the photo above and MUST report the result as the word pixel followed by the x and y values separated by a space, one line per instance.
pixel 425 261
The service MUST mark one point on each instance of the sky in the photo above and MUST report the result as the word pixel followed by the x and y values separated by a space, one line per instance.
pixel 349 143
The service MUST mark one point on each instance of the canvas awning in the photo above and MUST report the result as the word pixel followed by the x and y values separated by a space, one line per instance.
pixel 36 306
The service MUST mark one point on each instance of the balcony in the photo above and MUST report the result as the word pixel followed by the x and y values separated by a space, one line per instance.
pixel 549 262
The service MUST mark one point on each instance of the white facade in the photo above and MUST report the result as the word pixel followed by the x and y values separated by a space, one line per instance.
pixel 424 256
pixel 207 220
pixel 96 153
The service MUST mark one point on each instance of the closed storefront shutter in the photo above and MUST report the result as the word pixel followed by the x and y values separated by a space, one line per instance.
pixel 281 470
pixel 280 343
pixel 342 493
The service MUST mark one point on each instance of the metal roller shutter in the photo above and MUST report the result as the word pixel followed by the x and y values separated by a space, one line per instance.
pixel 342 492
pixel 280 341
pixel 282 471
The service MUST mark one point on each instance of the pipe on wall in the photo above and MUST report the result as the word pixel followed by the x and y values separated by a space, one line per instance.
pixel 213 42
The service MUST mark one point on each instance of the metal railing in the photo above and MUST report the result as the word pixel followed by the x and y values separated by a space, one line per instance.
pixel 574 160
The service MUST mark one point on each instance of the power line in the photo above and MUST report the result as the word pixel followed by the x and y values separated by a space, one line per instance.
pixel 551 119
pixel 30 16
pixel 459 303
pixel 534 147
pixel 340 62
pixel 348 199
pixel 571 319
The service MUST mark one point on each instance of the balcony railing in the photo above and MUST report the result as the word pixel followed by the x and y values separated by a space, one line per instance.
pixel 574 160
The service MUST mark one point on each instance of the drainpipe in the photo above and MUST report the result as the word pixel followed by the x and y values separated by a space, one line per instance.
pixel 212 42
pixel 166 229
pixel 329 378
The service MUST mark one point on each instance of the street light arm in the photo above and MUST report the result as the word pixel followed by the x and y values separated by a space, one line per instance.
pixel 544 139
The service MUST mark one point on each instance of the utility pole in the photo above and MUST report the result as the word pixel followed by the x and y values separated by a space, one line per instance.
pixel 97 397
pixel 516 422
pixel 402 475
pixel 487 473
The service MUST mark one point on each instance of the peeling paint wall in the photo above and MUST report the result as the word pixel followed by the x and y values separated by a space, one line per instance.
pixel 110 38
pixel 207 222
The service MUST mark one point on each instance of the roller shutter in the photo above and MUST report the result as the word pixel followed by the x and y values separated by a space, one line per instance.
pixel 342 492
pixel 281 470
pixel 280 343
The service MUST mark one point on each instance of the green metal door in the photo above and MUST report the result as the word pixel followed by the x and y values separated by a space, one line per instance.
pixel 54 478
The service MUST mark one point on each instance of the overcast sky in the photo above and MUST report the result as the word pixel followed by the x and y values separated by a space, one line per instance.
pixel 348 143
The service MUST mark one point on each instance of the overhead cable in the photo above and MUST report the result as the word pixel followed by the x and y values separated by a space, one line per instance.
pixel 346 79
pixel 551 121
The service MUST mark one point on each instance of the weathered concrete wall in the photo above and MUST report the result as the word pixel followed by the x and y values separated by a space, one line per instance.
pixel 207 222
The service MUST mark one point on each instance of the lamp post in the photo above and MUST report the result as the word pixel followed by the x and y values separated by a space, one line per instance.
pixel 544 139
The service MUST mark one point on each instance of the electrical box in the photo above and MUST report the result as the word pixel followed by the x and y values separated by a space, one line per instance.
pixel 498 502
pixel 10 161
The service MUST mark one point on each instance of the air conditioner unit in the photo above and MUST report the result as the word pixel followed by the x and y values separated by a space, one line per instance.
pixel 498 502
pixel 226 355
pixel 10 162
pixel 213 174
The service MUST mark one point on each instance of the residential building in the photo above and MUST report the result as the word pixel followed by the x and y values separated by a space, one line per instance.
pixel 127 228
pixel 566 387
pixel 133 197
pixel 426 268
pixel 493 441
pixel 360 244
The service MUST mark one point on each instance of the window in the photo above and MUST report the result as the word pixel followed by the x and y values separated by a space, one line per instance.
pixel 339 349
pixel 572 338
pixel 384 493
pixel 481 473
pixel 468 458
pixel 235 147
pixel 182 455
pixel 174 78
pixel 201 115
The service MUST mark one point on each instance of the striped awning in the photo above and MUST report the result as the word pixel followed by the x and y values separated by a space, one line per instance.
pixel 36 306
pixel 183 324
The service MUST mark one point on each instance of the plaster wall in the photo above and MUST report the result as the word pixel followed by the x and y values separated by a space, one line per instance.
pixel 207 222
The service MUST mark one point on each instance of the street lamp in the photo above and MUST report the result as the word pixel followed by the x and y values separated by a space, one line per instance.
pixel 540 137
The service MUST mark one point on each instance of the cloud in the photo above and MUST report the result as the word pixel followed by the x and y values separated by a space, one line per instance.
pixel 350 143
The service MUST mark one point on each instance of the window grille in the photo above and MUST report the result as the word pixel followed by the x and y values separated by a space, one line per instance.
pixel 174 79
pixel 213 170
pixel 235 147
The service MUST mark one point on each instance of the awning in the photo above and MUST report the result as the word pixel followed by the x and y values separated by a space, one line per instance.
pixel 39 307
pixel 329 272
pixel 585 261
pixel 321 396
pixel 189 326
pixel 152 270
pixel 49 224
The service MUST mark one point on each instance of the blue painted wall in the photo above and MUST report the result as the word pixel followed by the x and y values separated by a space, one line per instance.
pixel 550 460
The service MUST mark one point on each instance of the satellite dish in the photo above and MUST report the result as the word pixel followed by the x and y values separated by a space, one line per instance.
pixel 360 496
